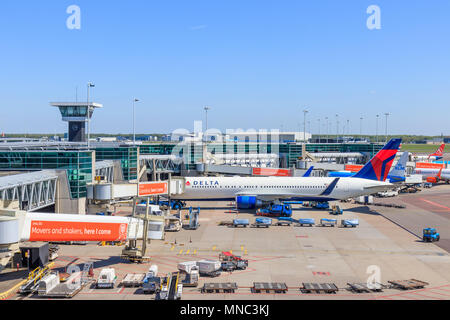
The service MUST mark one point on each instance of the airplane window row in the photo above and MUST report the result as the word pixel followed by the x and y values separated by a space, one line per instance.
pixel 286 187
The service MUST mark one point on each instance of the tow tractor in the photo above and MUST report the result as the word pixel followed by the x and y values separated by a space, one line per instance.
pixel 430 235
pixel 276 210
pixel 336 210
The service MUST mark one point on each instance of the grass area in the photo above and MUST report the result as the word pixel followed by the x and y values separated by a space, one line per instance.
pixel 420 148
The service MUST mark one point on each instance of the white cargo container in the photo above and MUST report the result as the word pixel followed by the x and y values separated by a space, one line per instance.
pixel 209 267
pixel 152 271
pixel 107 278
pixel 48 283
pixel 152 209
pixel 187 266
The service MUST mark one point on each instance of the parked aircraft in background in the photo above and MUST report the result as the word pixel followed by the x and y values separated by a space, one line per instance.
pixel 397 174
pixel 438 155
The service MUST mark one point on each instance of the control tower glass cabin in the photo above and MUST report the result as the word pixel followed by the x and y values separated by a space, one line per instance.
pixel 76 114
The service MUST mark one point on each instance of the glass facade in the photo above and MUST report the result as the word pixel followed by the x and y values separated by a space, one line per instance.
pixel 291 151
pixel 128 157
pixel 78 165
pixel 73 111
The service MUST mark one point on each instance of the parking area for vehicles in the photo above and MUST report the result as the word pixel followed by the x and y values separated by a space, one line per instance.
pixel 295 255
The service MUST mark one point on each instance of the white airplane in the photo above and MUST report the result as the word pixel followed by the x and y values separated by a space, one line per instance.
pixel 433 175
pixel 438 155
pixel 252 191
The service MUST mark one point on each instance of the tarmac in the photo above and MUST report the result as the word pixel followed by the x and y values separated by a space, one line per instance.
pixel 387 242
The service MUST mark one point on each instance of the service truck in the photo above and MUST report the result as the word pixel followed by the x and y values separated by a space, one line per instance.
pixel 276 210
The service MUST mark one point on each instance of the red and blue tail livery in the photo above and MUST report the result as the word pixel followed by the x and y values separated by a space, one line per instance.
pixel 378 167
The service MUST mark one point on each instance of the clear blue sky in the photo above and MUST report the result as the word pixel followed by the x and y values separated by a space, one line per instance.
pixel 257 63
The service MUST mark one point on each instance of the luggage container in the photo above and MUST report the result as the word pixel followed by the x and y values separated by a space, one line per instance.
pixel 306 222
pixel 262 222
pixel 328 222
pixel 209 267
pixel 107 278
pixel 48 283
pixel 187 266
pixel 350 223
pixel 240 223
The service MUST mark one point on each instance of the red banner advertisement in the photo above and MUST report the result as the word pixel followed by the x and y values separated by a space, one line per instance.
pixel 272 172
pixel 429 165
pixel 77 231
pixel 154 188
pixel 353 167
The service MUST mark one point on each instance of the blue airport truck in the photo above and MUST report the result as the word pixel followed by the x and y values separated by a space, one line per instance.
pixel 430 235
pixel 276 210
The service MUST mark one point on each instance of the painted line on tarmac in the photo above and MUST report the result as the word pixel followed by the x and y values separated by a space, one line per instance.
pixel 435 204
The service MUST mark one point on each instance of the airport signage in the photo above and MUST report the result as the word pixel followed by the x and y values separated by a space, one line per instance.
pixel 153 188
pixel 271 172
pixel 77 231
pixel 429 165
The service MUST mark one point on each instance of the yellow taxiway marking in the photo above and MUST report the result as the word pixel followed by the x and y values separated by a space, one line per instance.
pixel 214 248
pixel 245 252
pixel 242 248
pixel 195 251
pixel 173 247
pixel 189 250
pixel 181 251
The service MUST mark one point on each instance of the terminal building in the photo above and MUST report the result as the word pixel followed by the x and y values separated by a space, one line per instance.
pixel 38 175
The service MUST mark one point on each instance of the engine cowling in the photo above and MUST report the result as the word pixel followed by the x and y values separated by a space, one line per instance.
pixel 432 179
pixel 247 202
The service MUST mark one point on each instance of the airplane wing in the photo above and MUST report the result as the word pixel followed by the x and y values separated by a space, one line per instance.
pixel 379 188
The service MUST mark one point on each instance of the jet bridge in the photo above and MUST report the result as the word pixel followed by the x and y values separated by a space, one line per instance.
pixel 33 191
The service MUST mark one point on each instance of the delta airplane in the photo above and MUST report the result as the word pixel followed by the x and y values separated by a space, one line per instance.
pixel 397 174
pixel 252 191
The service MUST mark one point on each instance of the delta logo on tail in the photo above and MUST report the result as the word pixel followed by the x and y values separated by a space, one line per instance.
pixel 379 166
pixel 439 153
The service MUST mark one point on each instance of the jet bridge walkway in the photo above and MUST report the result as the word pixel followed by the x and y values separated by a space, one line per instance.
pixel 33 190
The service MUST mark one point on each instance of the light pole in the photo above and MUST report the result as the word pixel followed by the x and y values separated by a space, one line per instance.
pixel 326 119
pixel 387 114
pixel 360 126
pixel 319 128
pixel 206 111
pixel 376 129
pixel 348 127
pixel 134 131
pixel 89 86
pixel 304 125
pixel 337 127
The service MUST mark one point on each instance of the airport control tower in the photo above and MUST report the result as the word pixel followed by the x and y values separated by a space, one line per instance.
pixel 76 113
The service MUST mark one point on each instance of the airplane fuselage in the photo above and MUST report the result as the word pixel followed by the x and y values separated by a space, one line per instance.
pixel 271 188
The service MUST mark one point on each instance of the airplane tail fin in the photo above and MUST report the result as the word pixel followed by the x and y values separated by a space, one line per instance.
pixel 399 171
pixel 378 167
pixel 439 152
pixel 308 173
